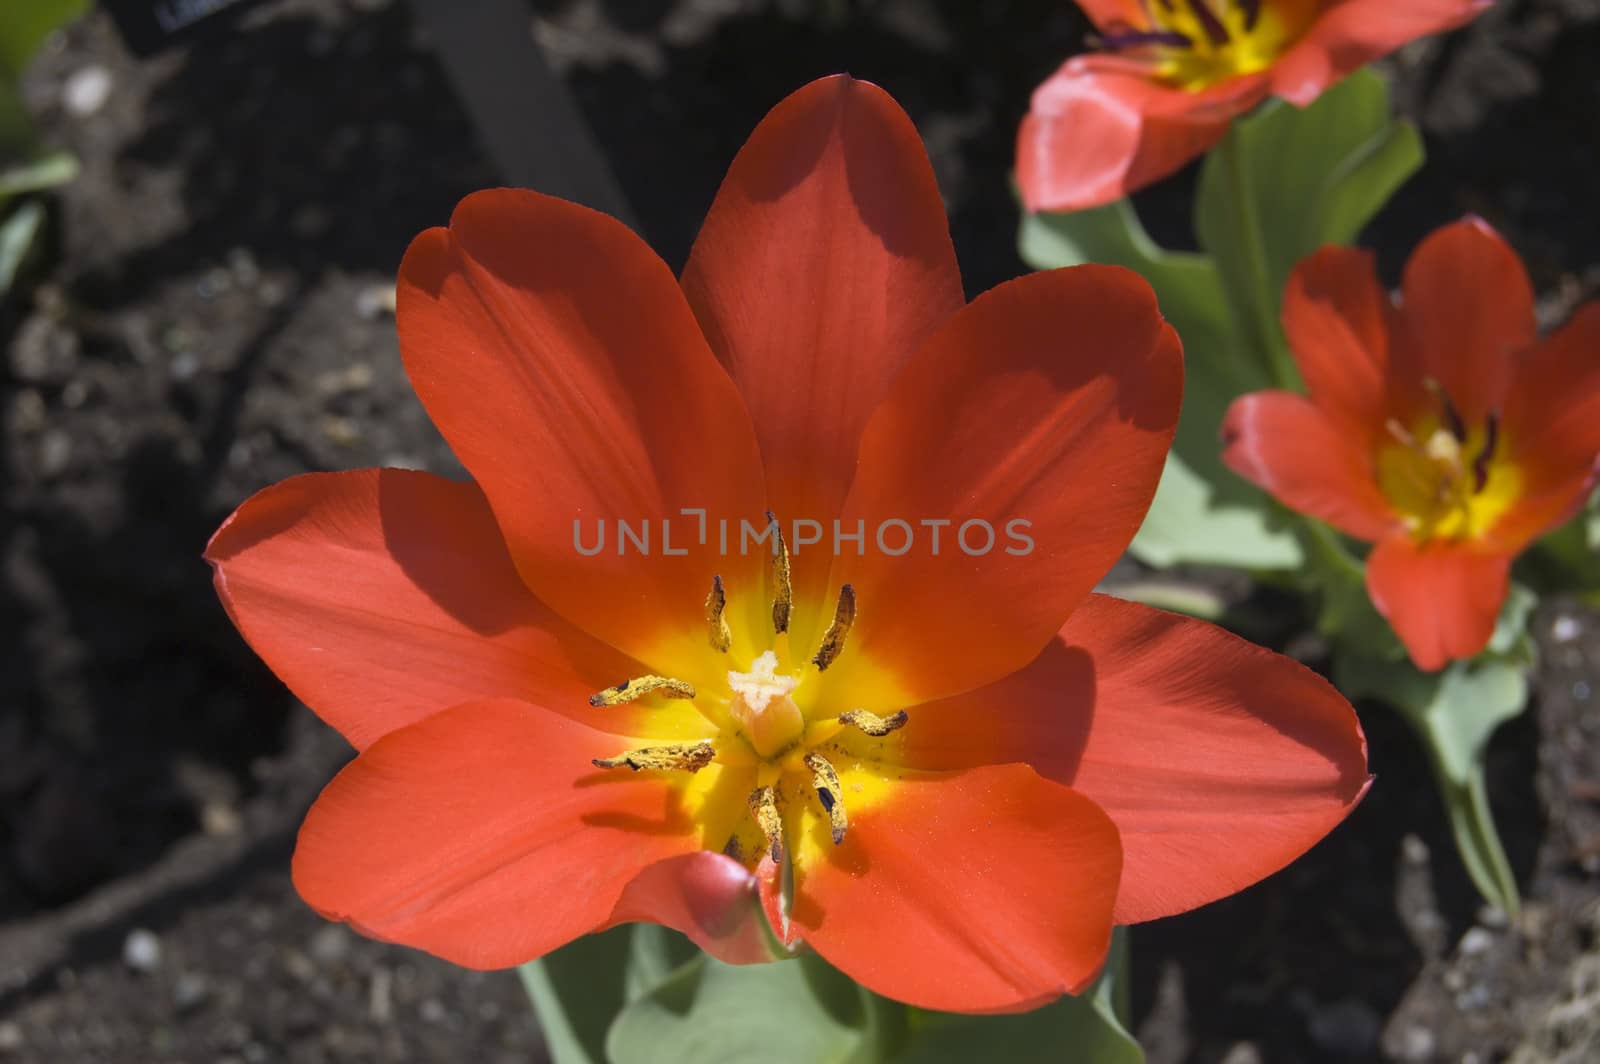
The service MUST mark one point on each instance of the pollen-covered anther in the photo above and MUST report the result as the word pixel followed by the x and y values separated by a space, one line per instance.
pixel 871 723
pixel 782 588
pixel 630 690
pixel 1480 464
pixel 716 624
pixel 764 807
pixel 844 615
pixel 829 792
pixel 685 757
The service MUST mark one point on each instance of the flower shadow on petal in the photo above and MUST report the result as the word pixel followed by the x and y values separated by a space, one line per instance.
pixel 675 818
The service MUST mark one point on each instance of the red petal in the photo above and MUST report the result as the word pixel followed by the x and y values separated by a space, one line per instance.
pixel 1442 598
pixel 1287 446
pixel 1219 762
pixel 824 262
pixel 382 596
pixel 560 360
pixel 1041 413
pixel 709 897
pixel 1102 127
pixel 988 890
pixel 1350 34
pixel 1467 314
pixel 483 835
pixel 1551 430
pixel 1336 316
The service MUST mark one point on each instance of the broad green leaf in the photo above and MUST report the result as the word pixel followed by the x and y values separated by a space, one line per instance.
pixel 1085 1028
pixel 800 1010
pixel 18 232
pixel 1186 524
pixel 577 991
pixel 1454 713
pixel 43 173
pixel 25 26
pixel 654 954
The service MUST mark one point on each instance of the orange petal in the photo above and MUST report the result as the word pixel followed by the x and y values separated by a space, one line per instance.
pixel 558 357
pixel 1350 34
pixel 1102 127
pixel 711 898
pixel 988 890
pixel 382 596
pixel 1442 598
pixel 483 835
pixel 1034 425
pixel 1551 430
pixel 1466 314
pixel 1336 316
pixel 1285 445
pixel 1219 762
pixel 824 262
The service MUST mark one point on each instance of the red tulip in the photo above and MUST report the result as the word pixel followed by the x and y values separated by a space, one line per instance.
pixel 1442 430
pixel 974 765
pixel 1167 77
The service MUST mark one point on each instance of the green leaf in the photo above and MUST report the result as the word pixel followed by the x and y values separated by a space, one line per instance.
pixel 1085 1028
pixel 26 24
pixel 1454 713
pixel 18 232
pixel 577 990
pixel 801 1009
pixel 43 173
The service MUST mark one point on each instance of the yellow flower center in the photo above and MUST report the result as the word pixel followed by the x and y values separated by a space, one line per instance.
pixel 1194 44
pixel 1445 479
pixel 773 771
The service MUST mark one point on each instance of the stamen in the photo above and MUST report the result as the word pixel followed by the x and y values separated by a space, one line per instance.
pixel 688 757
pixel 784 593
pixel 764 807
pixel 1400 433
pixel 844 615
pixel 1447 409
pixel 1252 12
pixel 1480 464
pixel 829 792
pixel 631 690
pixel 1216 32
pixel 716 602
pixel 871 723
pixel 1122 40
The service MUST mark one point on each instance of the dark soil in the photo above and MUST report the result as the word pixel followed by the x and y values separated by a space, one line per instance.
pixel 215 321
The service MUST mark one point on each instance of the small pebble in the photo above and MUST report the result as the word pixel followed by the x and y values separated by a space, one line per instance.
pixel 1416 1043
pixel 330 944
pixel 374 301
pixel 141 950
pixel 1494 917
pixel 190 991
pixel 1414 850
pixel 55 453
pixel 1476 941
pixel 1565 629
pixel 10 1037
pixel 1581 690
pixel 86 91
pixel 431 1010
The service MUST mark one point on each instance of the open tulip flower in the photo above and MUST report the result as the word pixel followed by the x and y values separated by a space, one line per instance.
pixel 1442 430
pixel 1167 76
pixel 927 752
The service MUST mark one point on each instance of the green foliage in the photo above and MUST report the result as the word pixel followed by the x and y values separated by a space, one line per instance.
pixel 1281 184
pixel 644 995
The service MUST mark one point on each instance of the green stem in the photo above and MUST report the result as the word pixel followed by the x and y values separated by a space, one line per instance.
pixel 1328 549
pixel 1262 310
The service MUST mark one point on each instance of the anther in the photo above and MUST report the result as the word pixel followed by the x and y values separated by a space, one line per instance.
pixel 687 757
pixel 1480 464
pixel 871 723
pixel 844 615
pixel 1216 32
pixel 1252 12
pixel 630 690
pixel 1122 40
pixel 764 807
pixel 716 602
pixel 1447 409
pixel 829 792
pixel 783 592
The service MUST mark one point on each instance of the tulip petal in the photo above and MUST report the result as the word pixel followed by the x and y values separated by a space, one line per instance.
pixel 1336 316
pixel 824 262
pixel 709 897
pixel 484 835
pixel 1220 762
pixel 988 890
pixel 382 596
pixel 1442 598
pixel 1287 446
pixel 1034 425
pixel 1350 34
pixel 1466 314
pixel 1102 127
pixel 1551 430
pixel 558 357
